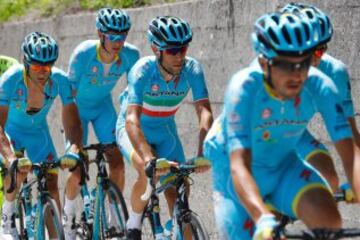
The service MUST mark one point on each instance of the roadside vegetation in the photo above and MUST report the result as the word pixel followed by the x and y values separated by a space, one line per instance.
pixel 11 10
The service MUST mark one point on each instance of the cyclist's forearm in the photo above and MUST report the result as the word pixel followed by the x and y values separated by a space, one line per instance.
pixel 5 147
pixel 355 131
pixel 72 125
pixel 245 185
pixel 138 140
pixel 204 113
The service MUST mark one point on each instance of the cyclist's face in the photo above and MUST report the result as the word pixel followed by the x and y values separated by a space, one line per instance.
pixel 40 73
pixel 113 41
pixel 173 58
pixel 288 75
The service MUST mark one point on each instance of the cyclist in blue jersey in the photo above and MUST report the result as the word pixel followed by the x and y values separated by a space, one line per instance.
pixel 26 94
pixel 309 147
pixel 94 69
pixel 146 128
pixel 253 144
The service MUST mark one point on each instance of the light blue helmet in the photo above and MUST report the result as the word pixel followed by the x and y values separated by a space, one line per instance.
pixel 167 31
pixel 283 34
pixel 317 17
pixel 109 19
pixel 39 47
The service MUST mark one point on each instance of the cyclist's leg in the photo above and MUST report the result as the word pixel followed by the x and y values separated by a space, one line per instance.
pixel 169 146
pixel 104 127
pixel 304 194
pixel 137 205
pixel 315 153
pixel 46 152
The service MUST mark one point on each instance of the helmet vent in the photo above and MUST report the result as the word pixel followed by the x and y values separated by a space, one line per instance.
pixel 163 31
pixel 286 34
pixel 172 30
pixel 181 32
pixel 298 36
pixel 185 28
pixel 163 20
pixel 273 36
pixel 291 19
pixel 307 32
pixel 276 19
pixel 322 27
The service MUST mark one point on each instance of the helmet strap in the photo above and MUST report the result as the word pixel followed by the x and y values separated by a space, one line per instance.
pixel 102 43
pixel 268 77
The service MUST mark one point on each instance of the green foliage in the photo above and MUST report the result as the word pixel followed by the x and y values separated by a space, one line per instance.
pixel 10 9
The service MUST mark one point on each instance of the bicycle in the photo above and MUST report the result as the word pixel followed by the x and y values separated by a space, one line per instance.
pixel 2 176
pixel 182 216
pixel 105 197
pixel 31 217
pixel 316 234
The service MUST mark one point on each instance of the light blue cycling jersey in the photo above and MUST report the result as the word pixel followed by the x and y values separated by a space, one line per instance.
pixel 159 99
pixel 88 75
pixel 13 93
pixel 30 132
pixel 253 118
pixel 94 82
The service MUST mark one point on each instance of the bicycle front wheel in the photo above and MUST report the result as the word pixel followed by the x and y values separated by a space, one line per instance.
pixel 113 212
pixel 192 226
pixel 49 223
pixel 147 226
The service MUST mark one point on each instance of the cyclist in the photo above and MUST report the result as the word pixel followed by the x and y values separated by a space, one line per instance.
pixel 253 143
pixel 94 69
pixel 26 94
pixel 146 128
pixel 309 147
pixel 5 64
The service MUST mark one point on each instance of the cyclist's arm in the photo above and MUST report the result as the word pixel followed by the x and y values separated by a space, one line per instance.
pixel 350 156
pixel 354 130
pixel 135 133
pixel 205 117
pixel 5 146
pixel 245 185
pixel 72 126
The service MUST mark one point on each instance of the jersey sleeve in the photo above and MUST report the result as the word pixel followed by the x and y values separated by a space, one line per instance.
pixel 136 83
pixel 236 117
pixel 197 82
pixel 76 67
pixel 345 91
pixel 64 89
pixel 134 56
pixel 7 86
pixel 332 111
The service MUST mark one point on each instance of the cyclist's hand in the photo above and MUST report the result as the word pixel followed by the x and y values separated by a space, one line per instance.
pixel 348 193
pixel 162 166
pixel 69 160
pixel 202 164
pixel 24 165
pixel 265 227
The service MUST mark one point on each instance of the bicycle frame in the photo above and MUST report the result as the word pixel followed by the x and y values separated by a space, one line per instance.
pixel 181 207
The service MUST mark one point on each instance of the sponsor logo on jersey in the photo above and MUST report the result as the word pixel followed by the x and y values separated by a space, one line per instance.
pixel 94 69
pixel 306 174
pixel 266 113
pixel 155 88
pixel 20 92
pixel 279 122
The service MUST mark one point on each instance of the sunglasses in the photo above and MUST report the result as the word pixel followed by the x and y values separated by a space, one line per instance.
pixel 319 52
pixel 175 50
pixel 290 67
pixel 40 68
pixel 116 37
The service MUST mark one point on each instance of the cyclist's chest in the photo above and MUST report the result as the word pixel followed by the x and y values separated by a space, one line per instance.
pixel 98 75
pixel 275 121
pixel 160 91
pixel 22 97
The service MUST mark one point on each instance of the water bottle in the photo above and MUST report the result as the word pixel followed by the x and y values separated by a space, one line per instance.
pixel 168 229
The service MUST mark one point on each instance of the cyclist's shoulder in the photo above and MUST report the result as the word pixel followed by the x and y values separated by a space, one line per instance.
pixel 192 65
pixel 58 73
pixel 332 65
pixel 247 80
pixel 144 65
pixel 319 82
pixel 86 47
pixel 129 48
pixel 14 72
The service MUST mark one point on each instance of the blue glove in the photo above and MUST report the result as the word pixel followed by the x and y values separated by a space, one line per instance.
pixel 265 227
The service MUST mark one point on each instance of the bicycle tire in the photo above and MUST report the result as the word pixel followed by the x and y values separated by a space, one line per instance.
pixel 197 227
pixel 21 226
pixel 112 192
pixel 49 207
